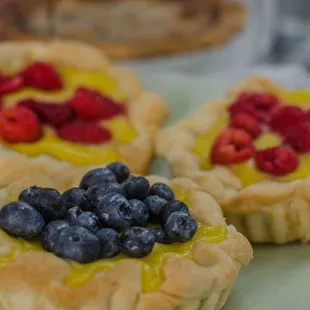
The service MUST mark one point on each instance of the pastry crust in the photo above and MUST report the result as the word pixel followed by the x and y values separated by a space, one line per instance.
pixel 36 280
pixel 147 110
pixel 203 31
pixel 268 211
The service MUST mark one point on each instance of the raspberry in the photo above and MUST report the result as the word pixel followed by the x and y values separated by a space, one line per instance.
pixel 10 84
pixel 307 115
pixel 19 124
pixel 42 75
pixel 298 137
pixel 257 105
pixel 284 118
pixel 53 114
pixel 232 146
pixel 30 104
pixel 91 105
pixel 248 123
pixel 277 161
pixel 82 132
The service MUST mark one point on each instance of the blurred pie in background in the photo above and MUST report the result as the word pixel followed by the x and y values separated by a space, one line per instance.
pixel 127 29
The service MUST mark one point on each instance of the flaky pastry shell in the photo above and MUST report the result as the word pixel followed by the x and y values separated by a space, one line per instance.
pixel 265 212
pixel 35 280
pixel 146 110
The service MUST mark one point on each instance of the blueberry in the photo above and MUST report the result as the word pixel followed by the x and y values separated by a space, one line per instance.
pixel 162 190
pixel 28 194
pixel 96 192
pixel 114 212
pixel 110 244
pixel 161 236
pixel 180 226
pixel 137 242
pixel 97 175
pixel 155 204
pixel 120 170
pixel 75 197
pixel 73 214
pixel 51 233
pixel 89 220
pixel 170 207
pixel 49 203
pixel 19 219
pixel 77 243
pixel 139 213
pixel 136 187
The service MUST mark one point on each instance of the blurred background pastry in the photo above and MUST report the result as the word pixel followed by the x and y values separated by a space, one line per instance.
pixel 195 36
pixel 128 29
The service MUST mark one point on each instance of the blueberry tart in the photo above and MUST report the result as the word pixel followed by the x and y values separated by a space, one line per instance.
pixel 250 151
pixel 117 254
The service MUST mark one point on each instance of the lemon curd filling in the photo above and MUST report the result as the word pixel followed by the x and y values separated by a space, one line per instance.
pixel 246 170
pixel 151 265
pixel 78 154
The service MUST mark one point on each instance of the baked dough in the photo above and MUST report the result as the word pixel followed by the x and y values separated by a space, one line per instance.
pixel 181 26
pixel 147 110
pixel 265 212
pixel 35 280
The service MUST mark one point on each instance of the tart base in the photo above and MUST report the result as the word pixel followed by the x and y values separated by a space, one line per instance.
pixel 147 110
pixel 36 280
pixel 266 212
pixel 280 215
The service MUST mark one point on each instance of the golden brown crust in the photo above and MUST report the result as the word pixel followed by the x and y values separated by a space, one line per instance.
pixel 269 211
pixel 229 19
pixel 147 110
pixel 35 280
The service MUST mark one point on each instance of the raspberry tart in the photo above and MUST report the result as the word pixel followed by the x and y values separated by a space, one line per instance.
pixel 106 239
pixel 67 101
pixel 250 151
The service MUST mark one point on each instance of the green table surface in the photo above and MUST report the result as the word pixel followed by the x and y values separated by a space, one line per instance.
pixel 279 276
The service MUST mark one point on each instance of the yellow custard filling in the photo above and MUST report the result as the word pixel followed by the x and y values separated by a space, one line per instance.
pixel 246 170
pixel 78 154
pixel 151 266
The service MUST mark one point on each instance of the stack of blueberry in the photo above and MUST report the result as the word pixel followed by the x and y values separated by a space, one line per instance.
pixel 106 215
